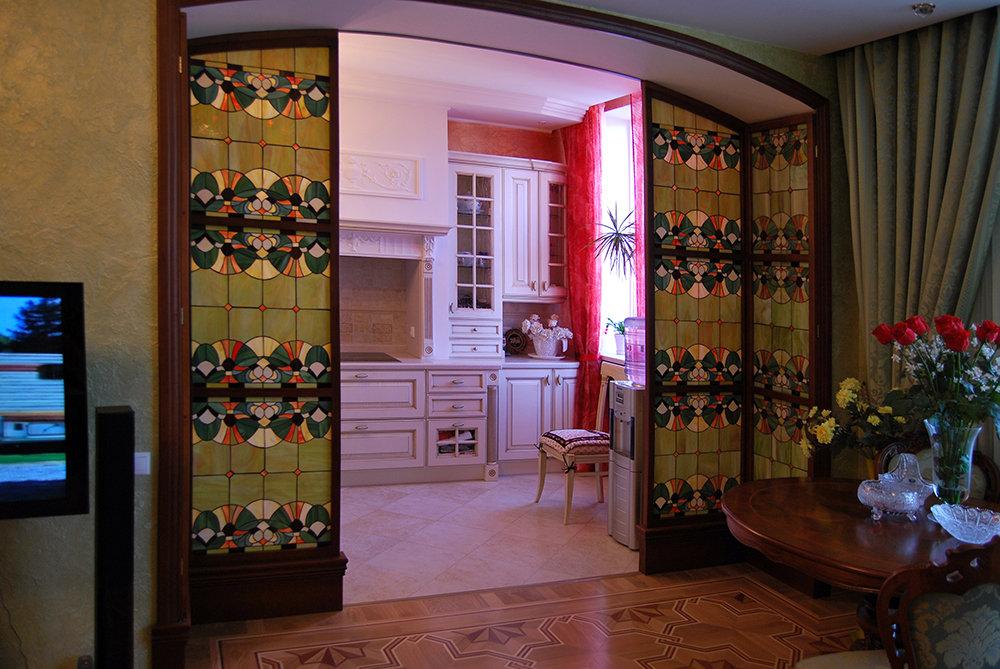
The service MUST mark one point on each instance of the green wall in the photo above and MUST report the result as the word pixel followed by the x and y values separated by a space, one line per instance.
pixel 77 202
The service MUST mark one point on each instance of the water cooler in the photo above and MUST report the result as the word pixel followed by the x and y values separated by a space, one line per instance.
pixel 628 448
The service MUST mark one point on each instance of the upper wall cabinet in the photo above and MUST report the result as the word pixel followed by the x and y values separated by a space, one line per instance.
pixel 534 220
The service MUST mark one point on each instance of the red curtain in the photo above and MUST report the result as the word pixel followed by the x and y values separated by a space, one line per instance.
pixel 639 172
pixel 582 144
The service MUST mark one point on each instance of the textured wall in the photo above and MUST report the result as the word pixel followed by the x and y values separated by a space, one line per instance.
pixel 500 141
pixel 77 203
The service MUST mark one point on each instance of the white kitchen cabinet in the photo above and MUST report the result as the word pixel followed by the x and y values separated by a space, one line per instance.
pixel 366 394
pixel 534 227
pixel 382 444
pixel 533 400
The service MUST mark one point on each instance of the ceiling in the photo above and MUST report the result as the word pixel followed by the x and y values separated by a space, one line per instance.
pixel 804 25
pixel 498 83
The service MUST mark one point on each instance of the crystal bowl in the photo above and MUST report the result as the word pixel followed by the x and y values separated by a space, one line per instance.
pixel 967 523
pixel 888 496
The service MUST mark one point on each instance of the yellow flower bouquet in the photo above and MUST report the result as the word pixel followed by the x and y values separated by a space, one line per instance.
pixel 865 425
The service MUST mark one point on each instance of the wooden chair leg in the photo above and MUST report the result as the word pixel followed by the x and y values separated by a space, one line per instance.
pixel 599 475
pixel 542 467
pixel 570 474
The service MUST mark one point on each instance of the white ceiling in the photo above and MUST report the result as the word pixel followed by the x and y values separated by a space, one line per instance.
pixel 804 25
pixel 495 84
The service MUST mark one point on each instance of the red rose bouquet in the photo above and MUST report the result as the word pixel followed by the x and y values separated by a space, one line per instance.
pixel 955 372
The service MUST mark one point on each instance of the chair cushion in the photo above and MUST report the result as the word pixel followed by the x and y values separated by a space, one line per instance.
pixel 576 442
pixel 957 630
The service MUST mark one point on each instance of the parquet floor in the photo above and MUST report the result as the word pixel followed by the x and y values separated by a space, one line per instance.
pixel 731 617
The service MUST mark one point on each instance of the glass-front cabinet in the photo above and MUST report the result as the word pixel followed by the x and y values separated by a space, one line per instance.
pixel 552 236
pixel 477 192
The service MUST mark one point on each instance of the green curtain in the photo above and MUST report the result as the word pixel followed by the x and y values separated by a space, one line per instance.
pixel 921 115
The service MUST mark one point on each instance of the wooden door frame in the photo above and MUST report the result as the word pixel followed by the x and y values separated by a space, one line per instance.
pixel 171 629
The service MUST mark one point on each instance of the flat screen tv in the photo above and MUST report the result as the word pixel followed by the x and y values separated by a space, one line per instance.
pixel 43 400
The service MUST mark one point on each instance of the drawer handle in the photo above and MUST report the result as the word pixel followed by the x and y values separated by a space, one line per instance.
pixel 545 380
pixel 457 406
pixel 360 427
pixel 458 382
pixel 534 284
pixel 458 424
pixel 558 380
pixel 361 376
pixel 545 286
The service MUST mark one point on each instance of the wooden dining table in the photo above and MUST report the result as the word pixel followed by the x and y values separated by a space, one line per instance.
pixel 818 526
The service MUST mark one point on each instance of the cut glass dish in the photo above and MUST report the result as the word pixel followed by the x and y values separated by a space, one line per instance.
pixel 967 523
pixel 902 491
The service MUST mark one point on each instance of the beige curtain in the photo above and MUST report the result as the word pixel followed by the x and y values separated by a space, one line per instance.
pixel 921 116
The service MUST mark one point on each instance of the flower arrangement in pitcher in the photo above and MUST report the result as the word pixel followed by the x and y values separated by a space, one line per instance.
pixel 543 338
pixel 534 329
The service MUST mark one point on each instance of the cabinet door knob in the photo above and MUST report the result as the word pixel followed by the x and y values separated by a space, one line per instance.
pixel 475 329
pixel 475 348
pixel 361 376
pixel 360 427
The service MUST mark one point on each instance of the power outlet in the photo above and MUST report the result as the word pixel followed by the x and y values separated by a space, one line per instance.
pixel 85 662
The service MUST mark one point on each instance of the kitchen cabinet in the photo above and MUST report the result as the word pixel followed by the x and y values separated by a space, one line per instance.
pixel 534 228
pixel 533 400
pixel 411 418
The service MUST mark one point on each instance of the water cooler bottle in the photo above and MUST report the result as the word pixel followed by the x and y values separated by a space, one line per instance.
pixel 628 448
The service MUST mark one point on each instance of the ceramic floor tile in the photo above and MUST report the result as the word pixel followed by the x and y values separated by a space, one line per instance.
pixel 373 584
pixel 484 519
pixel 474 573
pixel 449 535
pixel 352 511
pixel 388 524
pixel 376 496
pixel 424 504
pixel 415 559
pixel 360 546
pixel 517 550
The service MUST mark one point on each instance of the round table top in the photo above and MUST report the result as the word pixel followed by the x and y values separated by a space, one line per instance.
pixel 819 527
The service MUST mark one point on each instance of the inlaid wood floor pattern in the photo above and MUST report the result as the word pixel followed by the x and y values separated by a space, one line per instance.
pixel 731 617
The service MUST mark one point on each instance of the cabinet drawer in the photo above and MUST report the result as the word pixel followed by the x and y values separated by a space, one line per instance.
pixel 382 444
pixel 456 381
pixel 476 349
pixel 382 394
pixel 475 330
pixel 456 442
pixel 459 405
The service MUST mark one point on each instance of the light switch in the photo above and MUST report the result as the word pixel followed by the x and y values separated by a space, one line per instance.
pixel 142 464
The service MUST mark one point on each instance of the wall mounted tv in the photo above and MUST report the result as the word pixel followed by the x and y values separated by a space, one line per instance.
pixel 43 400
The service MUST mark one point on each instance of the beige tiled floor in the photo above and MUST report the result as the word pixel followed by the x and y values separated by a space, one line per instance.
pixel 427 539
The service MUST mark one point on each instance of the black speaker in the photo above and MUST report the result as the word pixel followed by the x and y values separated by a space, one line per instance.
pixel 114 537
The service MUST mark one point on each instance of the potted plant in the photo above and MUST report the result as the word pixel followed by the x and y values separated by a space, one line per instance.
pixel 616 244
pixel 618 328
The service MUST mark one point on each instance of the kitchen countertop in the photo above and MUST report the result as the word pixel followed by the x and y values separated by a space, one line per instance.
pixel 509 362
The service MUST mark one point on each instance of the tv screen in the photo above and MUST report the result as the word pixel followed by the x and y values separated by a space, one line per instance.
pixel 43 401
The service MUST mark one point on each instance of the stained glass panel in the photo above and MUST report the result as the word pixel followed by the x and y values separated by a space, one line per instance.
pixel 777 431
pixel 698 321
pixel 780 195
pixel 259 307
pixel 781 327
pixel 261 474
pixel 260 134
pixel 697 452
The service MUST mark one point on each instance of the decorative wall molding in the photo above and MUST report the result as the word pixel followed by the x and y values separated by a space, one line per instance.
pixel 381 176
pixel 372 243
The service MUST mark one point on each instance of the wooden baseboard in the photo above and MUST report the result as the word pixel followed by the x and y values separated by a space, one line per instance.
pixel 266 585
pixel 688 543
pixel 167 645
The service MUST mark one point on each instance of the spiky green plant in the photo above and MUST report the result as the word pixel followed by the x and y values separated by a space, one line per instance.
pixel 616 243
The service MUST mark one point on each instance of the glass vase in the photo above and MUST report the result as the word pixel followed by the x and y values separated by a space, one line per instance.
pixel 952 444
